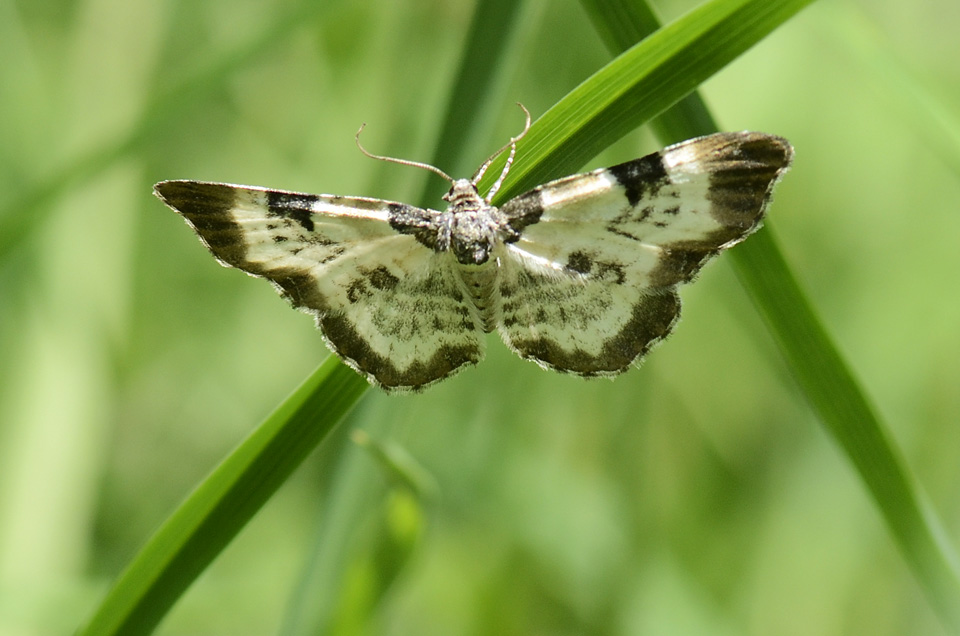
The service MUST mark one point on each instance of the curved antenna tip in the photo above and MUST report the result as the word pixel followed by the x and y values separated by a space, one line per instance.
pixel 402 162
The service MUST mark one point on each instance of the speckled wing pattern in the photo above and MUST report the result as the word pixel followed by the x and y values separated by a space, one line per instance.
pixel 591 284
pixel 579 275
pixel 388 306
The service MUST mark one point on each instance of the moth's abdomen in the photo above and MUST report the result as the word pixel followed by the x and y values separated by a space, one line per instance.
pixel 480 284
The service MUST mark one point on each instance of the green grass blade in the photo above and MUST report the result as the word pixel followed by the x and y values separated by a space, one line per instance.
pixel 214 513
pixel 846 412
pixel 815 361
pixel 623 23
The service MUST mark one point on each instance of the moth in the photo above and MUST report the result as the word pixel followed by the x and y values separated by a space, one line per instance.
pixel 579 275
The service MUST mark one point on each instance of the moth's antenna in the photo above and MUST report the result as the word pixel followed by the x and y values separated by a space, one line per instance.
pixel 512 145
pixel 402 162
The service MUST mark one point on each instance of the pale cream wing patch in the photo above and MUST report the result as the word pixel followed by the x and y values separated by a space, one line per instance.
pixel 390 307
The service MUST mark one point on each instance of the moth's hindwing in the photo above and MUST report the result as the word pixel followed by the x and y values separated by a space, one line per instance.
pixel 390 307
pixel 590 285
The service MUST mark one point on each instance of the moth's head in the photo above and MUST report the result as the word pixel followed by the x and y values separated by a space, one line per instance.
pixel 463 191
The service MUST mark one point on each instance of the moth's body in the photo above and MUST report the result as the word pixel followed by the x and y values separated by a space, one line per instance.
pixel 578 275
pixel 480 286
pixel 473 232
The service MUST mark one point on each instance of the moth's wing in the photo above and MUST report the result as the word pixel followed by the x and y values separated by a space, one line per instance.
pixel 589 284
pixel 389 306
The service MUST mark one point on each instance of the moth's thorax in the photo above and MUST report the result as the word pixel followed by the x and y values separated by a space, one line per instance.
pixel 470 227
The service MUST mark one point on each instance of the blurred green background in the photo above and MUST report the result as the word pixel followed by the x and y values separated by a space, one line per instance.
pixel 695 495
